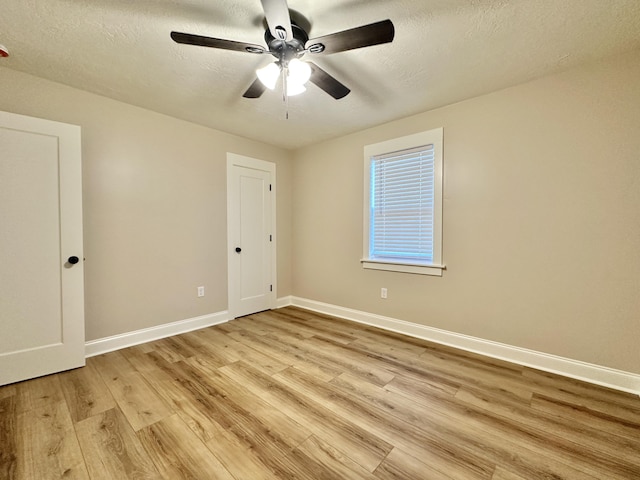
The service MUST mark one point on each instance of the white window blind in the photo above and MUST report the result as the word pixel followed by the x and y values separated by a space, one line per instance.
pixel 402 205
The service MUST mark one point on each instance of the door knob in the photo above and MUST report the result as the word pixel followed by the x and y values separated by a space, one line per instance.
pixel 238 249
pixel 73 260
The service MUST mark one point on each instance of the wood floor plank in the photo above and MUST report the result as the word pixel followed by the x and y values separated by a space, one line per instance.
pixel 428 444
pixel 139 402
pixel 618 458
pixel 294 346
pixel 147 364
pixel 509 443
pixel 8 437
pixel 250 323
pixel 111 449
pixel 310 328
pixel 145 347
pixel 363 447
pixel 39 392
pixel 235 351
pixel 604 421
pixel 285 354
pixel 266 436
pixel 346 327
pixel 171 350
pixel 328 463
pixel 421 384
pixel 111 365
pixel 293 394
pixel 269 323
pixel 401 466
pixel 411 368
pixel 8 391
pixel 263 362
pixel 185 347
pixel 202 348
pixel 386 342
pixel 544 381
pixel 457 368
pixel 85 392
pixel 626 413
pixel 178 453
pixel 239 459
pixel 157 372
pixel 472 358
pixel 444 418
pixel 226 327
pixel 221 342
pixel 502 474
pixel 357 331
pixel 273 419
pixel 503 382
pixel 48 447
pixel 336 356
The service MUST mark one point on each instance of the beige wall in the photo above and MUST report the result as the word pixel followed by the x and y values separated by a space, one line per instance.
pixel 154 206
pixel 541 214
pixel 541 218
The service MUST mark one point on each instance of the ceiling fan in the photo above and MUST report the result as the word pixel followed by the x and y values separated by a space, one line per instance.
pixel 288 43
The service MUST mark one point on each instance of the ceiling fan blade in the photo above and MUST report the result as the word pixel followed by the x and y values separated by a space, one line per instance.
pixel 327 83
pixel 278 19
pixel 191 39
pixel 256 89
pixel 364 36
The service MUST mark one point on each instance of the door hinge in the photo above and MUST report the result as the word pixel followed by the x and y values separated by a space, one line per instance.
pixel 271 288
pixel 271 238
pixel 269 187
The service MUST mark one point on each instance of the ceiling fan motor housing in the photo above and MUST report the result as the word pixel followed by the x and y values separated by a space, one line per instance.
pixel 285 51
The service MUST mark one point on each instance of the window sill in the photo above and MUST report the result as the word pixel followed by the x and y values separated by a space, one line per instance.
pixel 434 270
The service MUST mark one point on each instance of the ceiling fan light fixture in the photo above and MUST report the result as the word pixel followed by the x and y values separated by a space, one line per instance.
pixel 269 75
pixel 295 89
pixel 299 72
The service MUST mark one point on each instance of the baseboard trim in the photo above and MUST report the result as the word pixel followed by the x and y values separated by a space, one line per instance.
pixel 129 339
pixel 284 301
pixel 596 374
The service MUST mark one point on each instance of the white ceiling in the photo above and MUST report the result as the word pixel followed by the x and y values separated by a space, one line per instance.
pixel 444 51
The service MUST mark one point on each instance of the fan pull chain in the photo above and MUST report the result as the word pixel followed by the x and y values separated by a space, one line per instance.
pixel 285 97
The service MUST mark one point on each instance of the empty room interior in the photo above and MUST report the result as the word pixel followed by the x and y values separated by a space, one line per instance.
pixel 419 259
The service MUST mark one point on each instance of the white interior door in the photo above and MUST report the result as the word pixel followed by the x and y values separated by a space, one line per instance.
pixel 251 234
pixel 41 288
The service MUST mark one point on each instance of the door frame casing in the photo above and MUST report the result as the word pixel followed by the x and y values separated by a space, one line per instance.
pixel 234 159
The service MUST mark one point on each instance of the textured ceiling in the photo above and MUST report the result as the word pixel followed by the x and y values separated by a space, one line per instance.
pixel 444 51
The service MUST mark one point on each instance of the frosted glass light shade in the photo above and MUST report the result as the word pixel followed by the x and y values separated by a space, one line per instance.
pixel 269 75
pixel 299 72
pixel 295 89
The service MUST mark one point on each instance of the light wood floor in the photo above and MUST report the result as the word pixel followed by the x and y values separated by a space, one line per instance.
pixel 290 394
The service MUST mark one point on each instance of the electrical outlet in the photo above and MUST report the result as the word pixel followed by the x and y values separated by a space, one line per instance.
pixel 383 293
pixel 201 291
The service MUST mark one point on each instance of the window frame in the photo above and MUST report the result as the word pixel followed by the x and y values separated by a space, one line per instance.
pixel 430 137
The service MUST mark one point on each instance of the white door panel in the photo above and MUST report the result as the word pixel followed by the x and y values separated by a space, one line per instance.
pixel 41 294
pixel 254 265
pixel 250 239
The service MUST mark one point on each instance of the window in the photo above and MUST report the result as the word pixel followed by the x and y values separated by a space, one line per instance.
pixel 403 204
